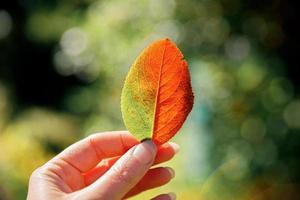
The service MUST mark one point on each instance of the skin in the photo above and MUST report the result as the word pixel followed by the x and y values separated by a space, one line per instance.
pixel 110 165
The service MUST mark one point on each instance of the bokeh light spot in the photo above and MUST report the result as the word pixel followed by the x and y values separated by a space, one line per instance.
pixel 5 23
pixel 253 129
pixel 73 41
pixel 250 75
pixel 292 114
pixel 237 48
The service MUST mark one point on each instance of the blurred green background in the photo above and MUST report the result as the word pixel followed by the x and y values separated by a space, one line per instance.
pixel 63 63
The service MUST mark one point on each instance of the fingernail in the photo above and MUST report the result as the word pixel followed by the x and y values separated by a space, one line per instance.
pixel 145 151
pixel 172 196
pixel 175 147
pixel 171 171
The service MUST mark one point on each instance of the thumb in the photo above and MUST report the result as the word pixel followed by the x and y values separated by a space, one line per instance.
pixel 125 173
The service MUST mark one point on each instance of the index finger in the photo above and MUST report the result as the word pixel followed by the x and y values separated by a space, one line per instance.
pixel 87 153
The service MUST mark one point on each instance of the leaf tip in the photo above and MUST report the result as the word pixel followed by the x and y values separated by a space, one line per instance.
pixel 167 40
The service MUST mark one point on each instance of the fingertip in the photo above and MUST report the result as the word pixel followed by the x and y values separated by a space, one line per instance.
pixel 150 144
pixel 169 196
pixel 171 172
pixel 175 147
pixel 145 152
pixel 172 196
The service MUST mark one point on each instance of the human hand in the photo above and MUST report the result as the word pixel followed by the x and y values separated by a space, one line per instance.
pixel 103 166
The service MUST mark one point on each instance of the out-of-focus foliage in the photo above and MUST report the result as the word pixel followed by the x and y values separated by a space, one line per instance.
pixel 242 138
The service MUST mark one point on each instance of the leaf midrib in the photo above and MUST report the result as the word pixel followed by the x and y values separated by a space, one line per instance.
pixel 158 89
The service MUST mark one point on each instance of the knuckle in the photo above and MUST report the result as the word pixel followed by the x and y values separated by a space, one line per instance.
pixel 91 137
pixel 35 173
pixel 43 171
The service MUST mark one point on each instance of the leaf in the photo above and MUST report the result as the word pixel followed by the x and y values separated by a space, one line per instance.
pixel 157 94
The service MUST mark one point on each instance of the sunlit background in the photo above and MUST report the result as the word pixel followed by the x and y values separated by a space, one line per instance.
pixel 62 67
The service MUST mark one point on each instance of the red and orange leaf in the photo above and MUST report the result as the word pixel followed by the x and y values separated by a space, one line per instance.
pixel 157 95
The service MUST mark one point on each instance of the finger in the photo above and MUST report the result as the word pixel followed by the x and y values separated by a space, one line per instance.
pixel 154 178
pixel 170 196
pixel 87 153
pixel 165 152
pixel 92 175
pixel 124 174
